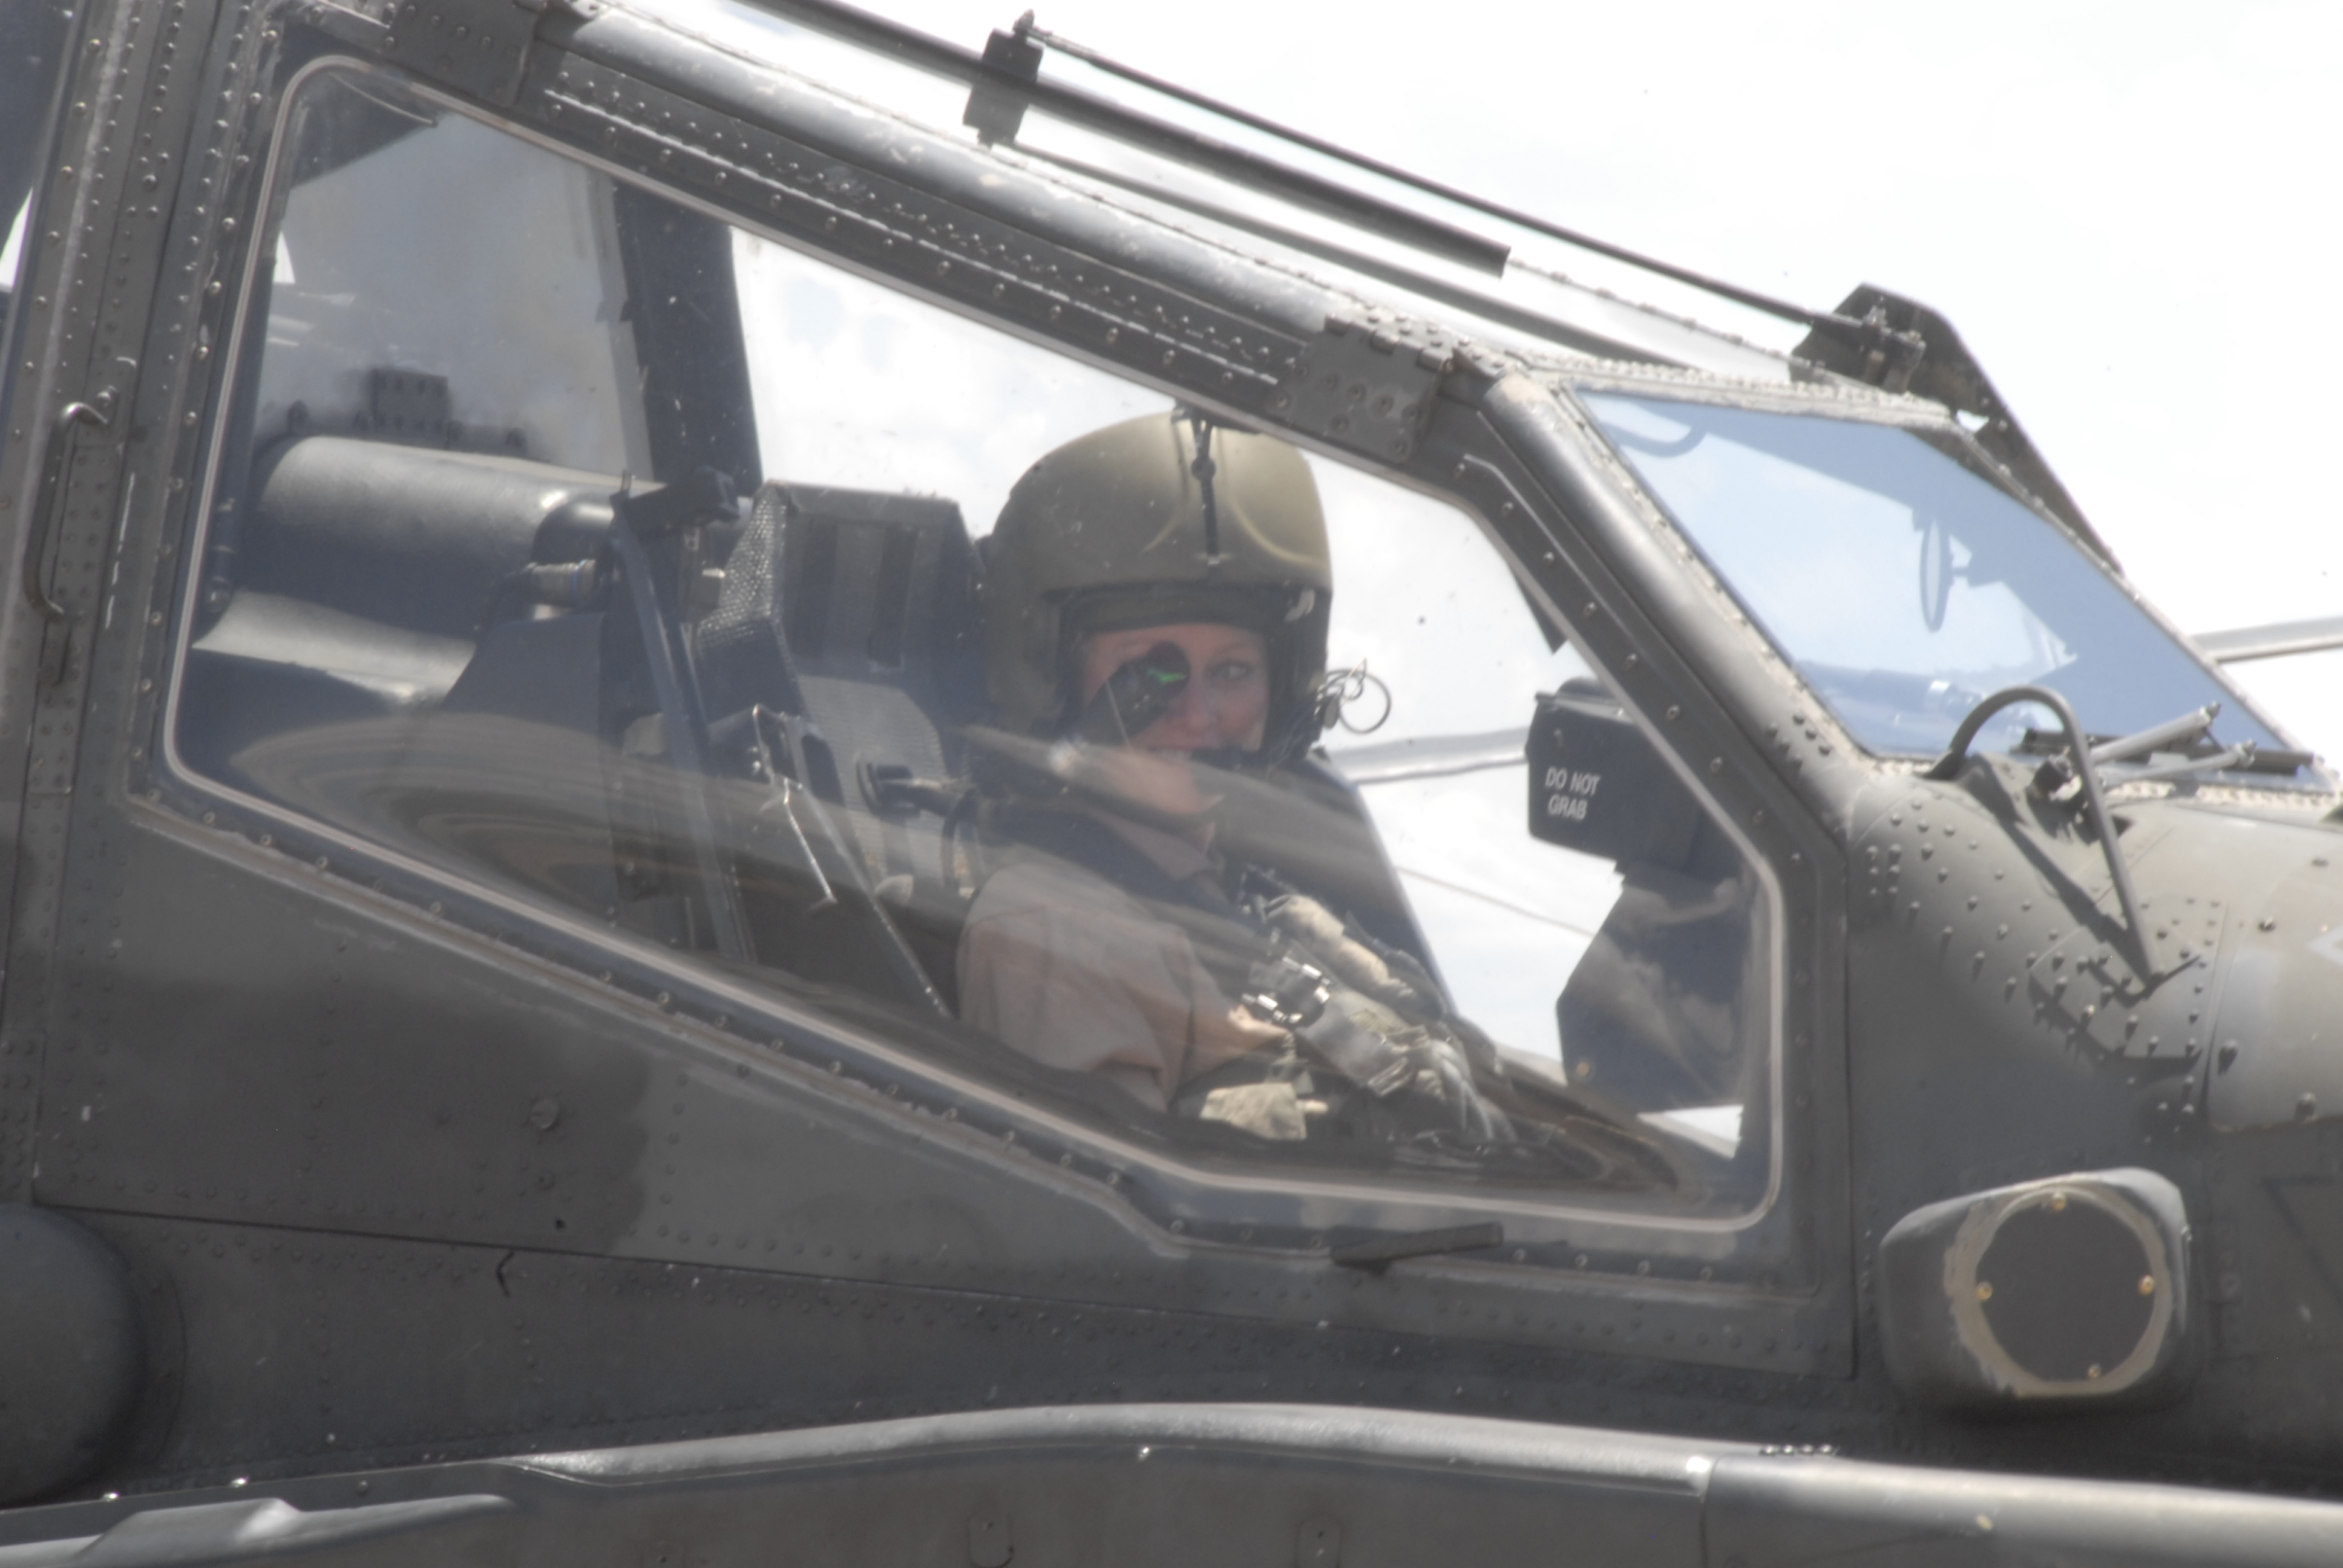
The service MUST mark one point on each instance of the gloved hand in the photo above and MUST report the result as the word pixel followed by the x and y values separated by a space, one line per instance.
pixel 1384 1054
pixel 1443 1073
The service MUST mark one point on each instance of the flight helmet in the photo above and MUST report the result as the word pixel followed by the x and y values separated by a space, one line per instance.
pixel 1162 520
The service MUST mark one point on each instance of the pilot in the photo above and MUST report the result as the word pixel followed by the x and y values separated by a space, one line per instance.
pixel 1155 602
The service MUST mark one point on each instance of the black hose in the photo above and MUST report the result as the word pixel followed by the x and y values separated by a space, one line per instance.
pixel 2079 748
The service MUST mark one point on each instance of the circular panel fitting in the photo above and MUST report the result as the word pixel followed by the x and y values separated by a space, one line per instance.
pixel 2060 1290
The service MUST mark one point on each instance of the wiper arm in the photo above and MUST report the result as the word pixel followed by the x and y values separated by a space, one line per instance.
pixel 2200 754
pixel 2241 755
pixel 2182 732
pixel 1385 1250
pixel 2189 735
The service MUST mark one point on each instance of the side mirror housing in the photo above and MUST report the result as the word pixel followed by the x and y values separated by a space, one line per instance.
pixel 2057 1294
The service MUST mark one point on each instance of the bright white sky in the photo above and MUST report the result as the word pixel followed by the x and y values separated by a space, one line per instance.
pixel 2129 212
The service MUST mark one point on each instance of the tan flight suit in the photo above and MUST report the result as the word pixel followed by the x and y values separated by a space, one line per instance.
pixel 1059 963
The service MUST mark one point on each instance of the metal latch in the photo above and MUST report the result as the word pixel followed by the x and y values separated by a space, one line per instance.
pixel 480 49
pixel 996 101
pixel 476 46
pixel 1367 386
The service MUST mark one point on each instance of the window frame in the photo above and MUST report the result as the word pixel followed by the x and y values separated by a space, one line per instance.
pixel 1777 1237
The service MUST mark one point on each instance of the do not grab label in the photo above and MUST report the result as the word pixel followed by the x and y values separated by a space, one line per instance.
pixel 1569 793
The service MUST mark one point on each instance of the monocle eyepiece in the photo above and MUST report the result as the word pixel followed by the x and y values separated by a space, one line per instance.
pixel 1134 696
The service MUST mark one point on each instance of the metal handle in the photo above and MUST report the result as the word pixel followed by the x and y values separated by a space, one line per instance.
pixel 100 412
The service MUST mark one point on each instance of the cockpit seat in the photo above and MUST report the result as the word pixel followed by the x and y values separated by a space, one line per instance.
pixel 371 638
pixel 851 616
pixel 359 585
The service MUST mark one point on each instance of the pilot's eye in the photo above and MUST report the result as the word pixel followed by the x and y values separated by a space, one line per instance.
pixel 1235 671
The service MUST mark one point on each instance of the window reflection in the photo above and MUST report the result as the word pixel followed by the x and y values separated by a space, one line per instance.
pixel 795 669
pixel 1904 586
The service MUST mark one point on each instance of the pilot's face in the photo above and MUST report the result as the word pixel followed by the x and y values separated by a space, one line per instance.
pixel 1225 704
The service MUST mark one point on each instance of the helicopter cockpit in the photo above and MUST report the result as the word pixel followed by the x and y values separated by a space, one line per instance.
pixel 639 592
pixel 607 563
pixel 847 728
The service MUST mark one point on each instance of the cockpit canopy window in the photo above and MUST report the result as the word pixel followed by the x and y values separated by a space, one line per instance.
pixel 584 549
pixel 1904 586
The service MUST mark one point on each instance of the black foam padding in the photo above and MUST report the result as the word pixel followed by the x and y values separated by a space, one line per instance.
pixel 408 536
pixel 743 659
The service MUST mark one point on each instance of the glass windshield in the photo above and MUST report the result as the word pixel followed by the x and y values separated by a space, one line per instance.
pixel 1904 586
pixel 790 628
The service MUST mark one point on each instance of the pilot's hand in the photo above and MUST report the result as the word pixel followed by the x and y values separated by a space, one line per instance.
pixel 1388 1056
pixel 1444 1073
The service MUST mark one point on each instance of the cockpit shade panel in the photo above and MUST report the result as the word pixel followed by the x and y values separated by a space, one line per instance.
pixel 1903 584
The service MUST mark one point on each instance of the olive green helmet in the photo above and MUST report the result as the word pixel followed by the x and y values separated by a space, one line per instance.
pixel 1160 519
